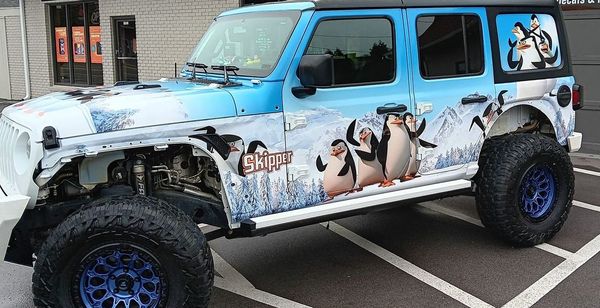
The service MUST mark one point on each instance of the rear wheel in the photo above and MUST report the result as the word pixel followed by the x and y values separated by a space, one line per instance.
pixel 125 252
pixel 525 188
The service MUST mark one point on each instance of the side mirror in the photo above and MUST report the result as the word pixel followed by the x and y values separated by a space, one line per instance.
pixel 315 71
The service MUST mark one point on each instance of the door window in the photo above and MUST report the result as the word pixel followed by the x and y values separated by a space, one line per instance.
pixel 450 46
pixel 528 42
pixel 362 49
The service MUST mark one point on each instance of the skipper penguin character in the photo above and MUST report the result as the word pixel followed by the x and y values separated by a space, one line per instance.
pixel 394 149
pixel 235 146
pixel 370 170
pixel 415 142
pixel 340 171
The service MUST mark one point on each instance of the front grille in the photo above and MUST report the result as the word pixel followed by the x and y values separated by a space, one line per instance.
pixel 8 138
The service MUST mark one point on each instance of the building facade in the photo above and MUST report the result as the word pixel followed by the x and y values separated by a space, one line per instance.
pixel 95 42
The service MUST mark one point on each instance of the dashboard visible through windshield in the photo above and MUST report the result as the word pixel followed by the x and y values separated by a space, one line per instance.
pixel 252 42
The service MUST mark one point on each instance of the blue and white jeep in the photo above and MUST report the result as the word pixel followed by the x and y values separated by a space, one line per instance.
pixel 289 114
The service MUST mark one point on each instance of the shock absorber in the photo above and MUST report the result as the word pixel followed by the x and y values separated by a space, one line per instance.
pixel 139 174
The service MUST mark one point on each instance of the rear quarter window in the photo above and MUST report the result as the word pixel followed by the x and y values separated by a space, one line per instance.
pixel 528 42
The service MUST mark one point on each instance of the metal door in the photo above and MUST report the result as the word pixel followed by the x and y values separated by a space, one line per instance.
pixel 125 49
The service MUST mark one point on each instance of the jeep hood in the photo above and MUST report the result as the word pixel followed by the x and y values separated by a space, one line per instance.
pixel 102 110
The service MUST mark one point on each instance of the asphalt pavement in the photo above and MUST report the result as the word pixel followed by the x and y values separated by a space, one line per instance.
pixel 422 255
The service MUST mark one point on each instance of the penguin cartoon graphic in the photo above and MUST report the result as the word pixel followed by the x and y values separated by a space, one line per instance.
pixel 543 40
pixel 415 142
pixel 528 56
pixel 394 149
pixel 495 108
pixel 340 171
pixel 237 151
pixel 370 170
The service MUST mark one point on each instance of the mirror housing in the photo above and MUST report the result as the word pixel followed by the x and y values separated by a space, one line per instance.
pixel 316 71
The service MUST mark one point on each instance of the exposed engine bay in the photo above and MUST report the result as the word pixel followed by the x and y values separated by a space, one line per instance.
pixel 175 173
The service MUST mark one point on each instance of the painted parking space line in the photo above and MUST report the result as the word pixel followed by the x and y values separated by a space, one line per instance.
pixel 553 278
pixel 588 172
pixel 586 206
pixel 257 295
pixel 446 211
pixel 229 273
pixel 555 250
pixel 407 267
pixel 234 282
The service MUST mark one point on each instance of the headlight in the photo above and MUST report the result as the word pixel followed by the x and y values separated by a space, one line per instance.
pixel 22 153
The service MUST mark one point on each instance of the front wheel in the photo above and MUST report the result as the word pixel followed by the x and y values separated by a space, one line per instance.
pixel 125 252
pixel 525 188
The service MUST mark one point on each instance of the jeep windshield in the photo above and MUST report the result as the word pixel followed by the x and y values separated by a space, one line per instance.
pixel 252 42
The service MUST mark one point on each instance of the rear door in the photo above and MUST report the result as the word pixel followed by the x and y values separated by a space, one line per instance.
pixel 453 84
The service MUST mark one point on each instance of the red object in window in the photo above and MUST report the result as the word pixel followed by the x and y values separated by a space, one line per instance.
pixel 577 97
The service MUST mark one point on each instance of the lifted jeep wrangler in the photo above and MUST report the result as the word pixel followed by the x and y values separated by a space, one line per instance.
pixel 285 115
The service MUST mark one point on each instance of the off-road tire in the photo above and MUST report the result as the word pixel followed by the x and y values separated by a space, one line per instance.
pixel 504 163
pixel 161 229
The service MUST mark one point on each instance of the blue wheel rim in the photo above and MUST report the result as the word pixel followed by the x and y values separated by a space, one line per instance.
pixel 538 192
pixel 120 279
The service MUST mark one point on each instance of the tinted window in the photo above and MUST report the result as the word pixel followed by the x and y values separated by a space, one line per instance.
pixel 528 42
pixel 450 45
pixel 362 49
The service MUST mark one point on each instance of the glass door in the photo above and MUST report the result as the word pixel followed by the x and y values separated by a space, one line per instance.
pixel 125 49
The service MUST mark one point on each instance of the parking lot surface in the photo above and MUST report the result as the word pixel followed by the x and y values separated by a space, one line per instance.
pixel 428 254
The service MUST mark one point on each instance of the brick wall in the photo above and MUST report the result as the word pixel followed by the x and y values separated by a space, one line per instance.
pixel 15 57
pixel 167 31
pixel 9 3
pixel 38 40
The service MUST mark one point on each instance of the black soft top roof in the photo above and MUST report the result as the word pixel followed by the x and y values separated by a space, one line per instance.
pixel 353 4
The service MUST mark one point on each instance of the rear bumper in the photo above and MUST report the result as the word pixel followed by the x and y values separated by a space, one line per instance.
pixel 574 142
pixel 11 210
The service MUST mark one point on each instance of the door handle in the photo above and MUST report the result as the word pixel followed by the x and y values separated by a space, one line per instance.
pixel 474 99
pixel 391 108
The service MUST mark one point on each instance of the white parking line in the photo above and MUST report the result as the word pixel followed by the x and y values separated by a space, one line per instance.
pixel 229 273
pixel 443 210
pixel 409 268
pixel 257 295
pixel 545 284
pixel 236 283
pixel 586 206
pixel 588 172
pixel 555 250
pixel 452 213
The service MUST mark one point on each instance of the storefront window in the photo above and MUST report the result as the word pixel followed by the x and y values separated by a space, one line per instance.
pixel 77 53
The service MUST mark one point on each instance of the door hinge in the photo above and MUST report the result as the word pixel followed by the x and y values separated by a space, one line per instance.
pixel 295 121
pixel 424 108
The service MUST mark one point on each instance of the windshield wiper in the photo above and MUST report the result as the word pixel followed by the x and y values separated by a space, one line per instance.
pixel 226 69
pixel 195 66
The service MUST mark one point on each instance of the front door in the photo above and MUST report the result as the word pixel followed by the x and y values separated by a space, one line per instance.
pixel 125 49
pixel 453 86
pixel 338 139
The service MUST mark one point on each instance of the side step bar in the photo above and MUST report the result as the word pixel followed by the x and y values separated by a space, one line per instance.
pixel 306 216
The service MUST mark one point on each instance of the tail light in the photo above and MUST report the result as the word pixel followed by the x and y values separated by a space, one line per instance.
pixel 577 97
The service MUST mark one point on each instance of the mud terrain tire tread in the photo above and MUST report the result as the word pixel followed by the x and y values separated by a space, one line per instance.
pixel 167 226
pixel 503 163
